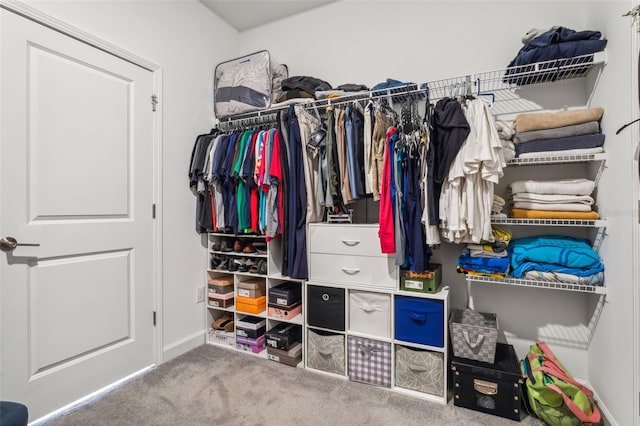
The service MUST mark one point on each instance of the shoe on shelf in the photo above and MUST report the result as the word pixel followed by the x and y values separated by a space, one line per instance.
pixel 230 326
pixel 221 322
pixel 234 264
pixel 247 264
pixel 249 249
pixel 215 261
pixel 215 246
pixel 226 245
pixel 262 267
pixel 238 246
pixel 260 247
pixel 224 264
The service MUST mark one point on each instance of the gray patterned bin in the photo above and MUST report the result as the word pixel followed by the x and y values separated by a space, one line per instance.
pixel 420 370
pixel 325 351
pixel 474 334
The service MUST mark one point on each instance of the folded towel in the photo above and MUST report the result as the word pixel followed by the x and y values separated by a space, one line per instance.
pixel 478 250
pixel 561 186
pixel 505 129
pixel 565 207
pixel 508 154
pixel 596 279
pixel 558 132
pixel 570 142
pixel 552 120
pixel 547 214
pixel 552 198
pixel 498 265
pixel 563 153
pixel 497 204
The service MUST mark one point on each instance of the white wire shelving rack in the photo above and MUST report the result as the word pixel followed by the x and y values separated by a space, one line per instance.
pixel 501 84
pixel 520 282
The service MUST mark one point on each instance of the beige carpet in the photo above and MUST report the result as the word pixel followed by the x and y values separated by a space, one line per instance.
pixel 214 386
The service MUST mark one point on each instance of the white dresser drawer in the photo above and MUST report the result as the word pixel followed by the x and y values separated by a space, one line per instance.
pixel 358 240
pixel 372 272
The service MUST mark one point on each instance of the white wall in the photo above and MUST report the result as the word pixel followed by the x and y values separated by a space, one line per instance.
pixel 610 359
pixel 187 41
pixel 366 42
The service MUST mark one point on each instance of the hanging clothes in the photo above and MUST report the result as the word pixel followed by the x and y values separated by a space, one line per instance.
pixel 341 144
pixel 367 141
pixel 450 130
pixel 308 123
pixel 378 146
pixel 386 220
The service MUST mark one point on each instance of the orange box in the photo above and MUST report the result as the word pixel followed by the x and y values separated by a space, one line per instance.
pixel 251 305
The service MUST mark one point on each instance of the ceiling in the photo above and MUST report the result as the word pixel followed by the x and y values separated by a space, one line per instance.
pixel 246 14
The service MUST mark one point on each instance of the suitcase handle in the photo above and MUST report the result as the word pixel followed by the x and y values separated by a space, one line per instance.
pixel 350 243
pixel 484 387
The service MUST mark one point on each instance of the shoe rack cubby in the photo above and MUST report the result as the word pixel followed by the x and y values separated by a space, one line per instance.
pixel 245 288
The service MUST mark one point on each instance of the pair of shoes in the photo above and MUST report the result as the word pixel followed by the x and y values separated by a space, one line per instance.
pixel 226 245
pixel 259 267
pixel 242 247
pixel 223 322
pixel 260 247
pixel 246 265
pixel 216 260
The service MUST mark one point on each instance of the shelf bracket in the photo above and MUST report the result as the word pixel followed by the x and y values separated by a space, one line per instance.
pixel 599 172
pixel 597 241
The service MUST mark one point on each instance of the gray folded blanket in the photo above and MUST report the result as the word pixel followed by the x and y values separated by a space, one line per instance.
pixel 558 132
pixel 571 142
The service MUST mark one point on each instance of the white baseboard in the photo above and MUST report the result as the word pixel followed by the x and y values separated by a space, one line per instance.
pixel 606 414
pixel 183 345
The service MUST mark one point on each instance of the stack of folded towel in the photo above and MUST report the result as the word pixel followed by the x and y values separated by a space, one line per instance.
pixel 506 133
pixel 553 199
pixel 487 259
pixel 556 258
pixel 497 205
pixel 558 133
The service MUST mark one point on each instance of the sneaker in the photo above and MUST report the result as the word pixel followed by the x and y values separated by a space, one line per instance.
pixel 226 245
pixel 249 249
pixel 234 264
pixel 247 265
pixel 262 267
pixel 224 264
pixel 238 246
pixel 215 261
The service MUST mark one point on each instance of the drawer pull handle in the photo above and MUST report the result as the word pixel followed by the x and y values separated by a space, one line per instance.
pixel 370 307
pixel 418 368
pixel 484 387
pixel 351 243
pixel 418 317
pixel 350 271
pixel 475 344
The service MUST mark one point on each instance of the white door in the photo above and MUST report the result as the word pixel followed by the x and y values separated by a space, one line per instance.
pixel 76 178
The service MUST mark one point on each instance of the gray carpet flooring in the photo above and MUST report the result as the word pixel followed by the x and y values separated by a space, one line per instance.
pixel 215 386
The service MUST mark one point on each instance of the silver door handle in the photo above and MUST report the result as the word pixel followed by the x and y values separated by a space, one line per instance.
pixel 9 243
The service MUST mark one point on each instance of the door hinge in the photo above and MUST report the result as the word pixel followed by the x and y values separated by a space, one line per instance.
pixel 154 318
pixel 154 102
pixel 153 211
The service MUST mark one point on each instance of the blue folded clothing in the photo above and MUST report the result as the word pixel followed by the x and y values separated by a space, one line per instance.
pixel 493 265
pixel 558 253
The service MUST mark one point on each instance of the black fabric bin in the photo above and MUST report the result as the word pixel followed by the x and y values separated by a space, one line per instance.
pixel 325 307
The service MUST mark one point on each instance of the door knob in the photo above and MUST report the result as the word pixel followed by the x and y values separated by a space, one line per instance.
pixel 9 243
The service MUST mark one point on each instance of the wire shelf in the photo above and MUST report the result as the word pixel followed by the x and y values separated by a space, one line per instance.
pixel 549 222
pixel 502 84
pixel 540 284
pixel 557 159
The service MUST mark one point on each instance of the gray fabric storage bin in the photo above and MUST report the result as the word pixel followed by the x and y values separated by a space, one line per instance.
pixel 325 351
pixel 474 334
pixel 369 361
pixel 420 370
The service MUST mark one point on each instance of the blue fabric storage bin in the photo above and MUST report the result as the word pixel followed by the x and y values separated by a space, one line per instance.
pixel 419 320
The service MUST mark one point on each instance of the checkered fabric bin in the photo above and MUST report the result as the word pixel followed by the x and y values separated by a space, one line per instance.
pixel 474 334
pixel 369 361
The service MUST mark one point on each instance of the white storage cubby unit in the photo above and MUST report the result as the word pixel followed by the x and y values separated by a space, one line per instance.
pixel 263 276
pixel 360 326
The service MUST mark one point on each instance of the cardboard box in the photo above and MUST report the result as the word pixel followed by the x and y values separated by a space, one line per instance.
pixel 426 281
